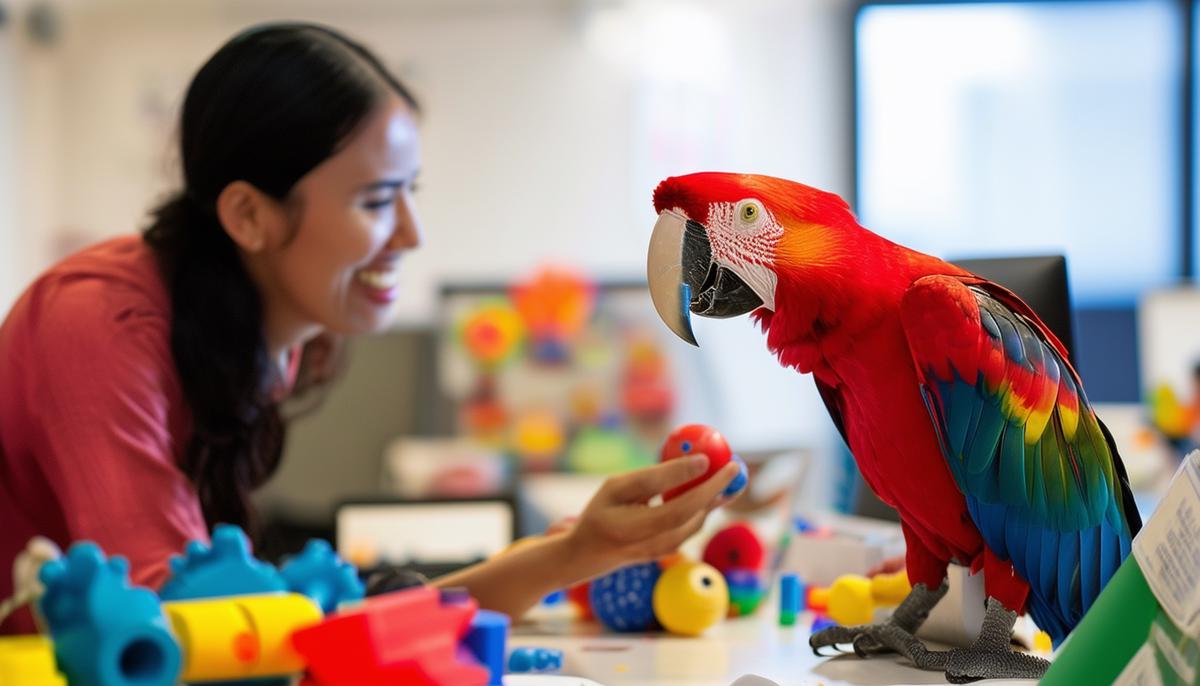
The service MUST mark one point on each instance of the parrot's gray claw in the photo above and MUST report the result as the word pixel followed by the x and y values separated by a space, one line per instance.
pixel 868 639
pixel 990 656
pixel 866 645
pixel 894 635
pixel 969 664
pixel 833 636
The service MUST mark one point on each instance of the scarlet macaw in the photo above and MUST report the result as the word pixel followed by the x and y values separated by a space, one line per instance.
pixel 957 402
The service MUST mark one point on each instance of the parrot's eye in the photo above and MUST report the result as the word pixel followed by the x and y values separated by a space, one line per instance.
pixel 749 212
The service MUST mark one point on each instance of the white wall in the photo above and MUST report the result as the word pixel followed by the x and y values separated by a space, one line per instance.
pixel 11 243
pixel 547 124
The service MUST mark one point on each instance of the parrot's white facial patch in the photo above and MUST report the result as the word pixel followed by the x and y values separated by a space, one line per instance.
pixel 742 236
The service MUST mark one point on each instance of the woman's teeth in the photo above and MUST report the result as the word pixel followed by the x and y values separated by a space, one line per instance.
pixel 382 280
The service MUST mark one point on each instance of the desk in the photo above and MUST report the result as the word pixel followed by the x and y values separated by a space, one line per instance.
pixel 747 645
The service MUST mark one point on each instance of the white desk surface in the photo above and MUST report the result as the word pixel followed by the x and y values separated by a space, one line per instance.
pixel 747 645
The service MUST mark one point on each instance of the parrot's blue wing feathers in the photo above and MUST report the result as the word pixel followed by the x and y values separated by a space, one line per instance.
pixel 1042 478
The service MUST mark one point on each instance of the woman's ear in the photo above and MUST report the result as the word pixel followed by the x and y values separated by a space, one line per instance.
pixel 254 220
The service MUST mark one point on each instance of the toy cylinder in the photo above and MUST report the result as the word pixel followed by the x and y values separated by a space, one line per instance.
pixel 276 618
pixel 789 599
pixel 240 636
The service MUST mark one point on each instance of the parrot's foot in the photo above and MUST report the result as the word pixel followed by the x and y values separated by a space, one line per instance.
pixel 894 635
pixel 965 665
pixel 990 656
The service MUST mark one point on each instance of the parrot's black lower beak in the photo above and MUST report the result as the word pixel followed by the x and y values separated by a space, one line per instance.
pixel 684 278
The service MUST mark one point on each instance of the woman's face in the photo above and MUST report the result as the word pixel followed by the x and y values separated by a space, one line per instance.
pixel 354 219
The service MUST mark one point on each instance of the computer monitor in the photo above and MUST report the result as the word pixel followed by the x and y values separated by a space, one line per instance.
pixel 1016 128
pixel 1040 281
pixel 397 531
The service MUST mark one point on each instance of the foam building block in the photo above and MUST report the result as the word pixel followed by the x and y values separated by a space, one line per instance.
pixel 487 639
pixel 408 637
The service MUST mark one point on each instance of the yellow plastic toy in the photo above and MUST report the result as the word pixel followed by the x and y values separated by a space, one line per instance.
pixel 690 597
pixel 29 661
pixel 240 636
pixel 853 598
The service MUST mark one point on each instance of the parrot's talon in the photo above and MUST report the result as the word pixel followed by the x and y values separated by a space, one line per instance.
pixel 990 656
pixel 894 635
pixel 866 645
pixel 965 665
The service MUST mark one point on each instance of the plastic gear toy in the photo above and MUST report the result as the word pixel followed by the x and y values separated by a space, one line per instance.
pixel 106 632
pixel 320 574
pixel 227 568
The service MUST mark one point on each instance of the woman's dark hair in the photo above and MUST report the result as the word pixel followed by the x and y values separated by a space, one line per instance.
pixel 268 107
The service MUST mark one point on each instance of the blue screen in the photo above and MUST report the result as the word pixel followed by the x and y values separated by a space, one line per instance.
pixel 1027 128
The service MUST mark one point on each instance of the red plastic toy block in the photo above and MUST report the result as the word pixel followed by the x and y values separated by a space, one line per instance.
pixel 406 637
pixel 691 439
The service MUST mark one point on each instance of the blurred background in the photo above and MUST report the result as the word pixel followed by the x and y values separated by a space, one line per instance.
pixel 526 361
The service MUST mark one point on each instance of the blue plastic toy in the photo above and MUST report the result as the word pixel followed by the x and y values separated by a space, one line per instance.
pixel 227 568
pixel 739 481
pixel 320 574
pixel 106 632
pixel 624 599
pixel 790 594
pixel 821 622
pixel 486 639
pixel 522 660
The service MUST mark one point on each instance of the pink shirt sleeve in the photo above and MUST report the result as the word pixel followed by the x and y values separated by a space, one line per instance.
pixel 113 423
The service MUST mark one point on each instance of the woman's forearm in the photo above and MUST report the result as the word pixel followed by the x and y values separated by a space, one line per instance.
pixel 516 580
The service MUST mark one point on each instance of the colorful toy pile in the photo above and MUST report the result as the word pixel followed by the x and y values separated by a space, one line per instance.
pixel 683 596
pixel 224 615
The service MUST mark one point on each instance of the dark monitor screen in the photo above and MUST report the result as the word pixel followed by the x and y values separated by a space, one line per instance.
pixel 1040 281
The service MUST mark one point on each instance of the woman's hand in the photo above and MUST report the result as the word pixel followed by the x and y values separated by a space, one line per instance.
pixel 619 527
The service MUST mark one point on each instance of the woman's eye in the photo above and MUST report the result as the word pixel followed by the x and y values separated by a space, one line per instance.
pixel 379 203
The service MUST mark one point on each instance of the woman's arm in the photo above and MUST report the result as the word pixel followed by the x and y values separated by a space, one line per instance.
pixel 619 527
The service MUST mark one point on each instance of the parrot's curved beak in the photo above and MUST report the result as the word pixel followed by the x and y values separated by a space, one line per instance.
pixel 684 278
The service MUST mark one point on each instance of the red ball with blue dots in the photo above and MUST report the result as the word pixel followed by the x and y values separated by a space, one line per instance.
pixel 697 439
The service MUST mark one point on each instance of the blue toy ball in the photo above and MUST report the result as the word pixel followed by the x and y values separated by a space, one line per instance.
pixel 739 482
pixel 623 600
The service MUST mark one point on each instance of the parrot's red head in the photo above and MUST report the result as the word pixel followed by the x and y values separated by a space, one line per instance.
pixel 723 242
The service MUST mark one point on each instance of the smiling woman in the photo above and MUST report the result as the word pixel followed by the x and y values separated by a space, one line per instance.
pixel 142 377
